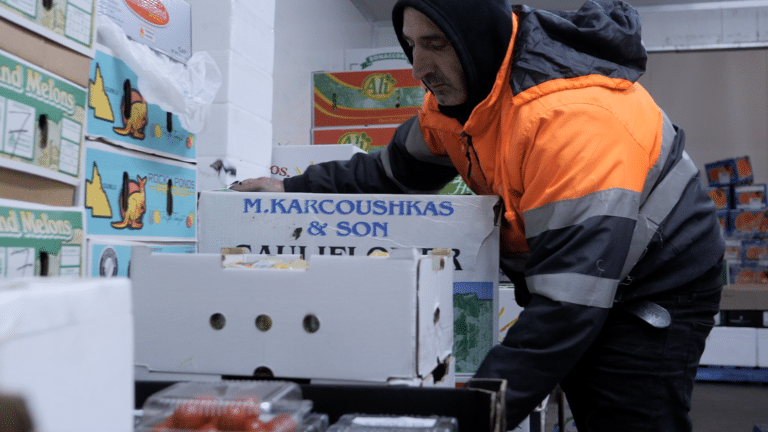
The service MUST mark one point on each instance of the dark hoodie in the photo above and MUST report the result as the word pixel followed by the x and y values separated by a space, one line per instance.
pixel 480 36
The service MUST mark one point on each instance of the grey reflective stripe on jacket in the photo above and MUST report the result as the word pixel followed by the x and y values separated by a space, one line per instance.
pixel 656 201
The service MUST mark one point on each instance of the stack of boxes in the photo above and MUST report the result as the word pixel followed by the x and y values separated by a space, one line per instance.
pixel 364 105
pixel 237 140
pixel 742 209
pixel 140 167
pixel 45 51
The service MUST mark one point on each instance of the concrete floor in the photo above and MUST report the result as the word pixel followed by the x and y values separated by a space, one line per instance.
pixel 716 407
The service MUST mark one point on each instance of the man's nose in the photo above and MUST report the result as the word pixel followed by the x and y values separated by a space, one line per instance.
pixel 422 65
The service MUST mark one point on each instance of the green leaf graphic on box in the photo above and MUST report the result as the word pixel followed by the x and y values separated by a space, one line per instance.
pixel 473 331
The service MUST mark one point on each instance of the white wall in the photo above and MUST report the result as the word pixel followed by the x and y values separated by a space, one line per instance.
pixel 720 99
pixel 310 36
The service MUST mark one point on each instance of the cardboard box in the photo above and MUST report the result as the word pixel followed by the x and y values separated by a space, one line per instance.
pixel 165 26
pixel 746 272
pixel 42 120
pixel 736 171
pixel 40 240
pixel 373 139
pixel 368 138
pixel 721 196
pixel 23 186
pixel 731 346
pixel 364 319
pixel 359 225
pixel 750 196
pixel 744 297
pixel 219 172
pixel 376 58
pixel 143 126
pixel 138 196
pixel 365 97
pixel 762 347
pixel 45 53
pixel 724 217
pixel 288 161
pixel 66 347
pixel 69 23
pixel 509 310
pixel 747 223
pixel 754 250
pixel 112 258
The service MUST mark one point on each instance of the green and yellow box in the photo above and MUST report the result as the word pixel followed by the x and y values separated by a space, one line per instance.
pixel 38 240
pixel 42 119
pixel 68 22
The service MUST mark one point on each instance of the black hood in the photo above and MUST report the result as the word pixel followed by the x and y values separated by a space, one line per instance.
pixel 479 31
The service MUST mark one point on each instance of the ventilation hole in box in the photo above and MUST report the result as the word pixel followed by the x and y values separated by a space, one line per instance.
pixel 47 4
pixel 311 323
pixel 263 322
pixel 44 263
pixel 263 372
pixel 218 321
pixel 42 125
pixel 440 371
pixel 436 318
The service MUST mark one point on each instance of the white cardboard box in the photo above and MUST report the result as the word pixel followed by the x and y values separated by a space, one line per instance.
pixel 358 225
pixel 731 346
pixel 66 347
pixel 219 172
pixel 289 161
pixel 762 347
pixel 364 319
pixel 165 26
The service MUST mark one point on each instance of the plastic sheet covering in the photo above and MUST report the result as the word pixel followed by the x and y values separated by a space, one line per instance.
pixel 185 90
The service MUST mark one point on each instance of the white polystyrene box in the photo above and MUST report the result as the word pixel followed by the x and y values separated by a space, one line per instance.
pixel 360 224
pixel 762 347
pixel 234 132
pixel 66 347
pixel 244 84
pixel 380 319
pixel 731 346
pixel 219 172
pixel 289 161
pixel 238 26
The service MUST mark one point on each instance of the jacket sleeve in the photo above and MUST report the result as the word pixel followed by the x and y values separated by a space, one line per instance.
pixel 405 165
pixel 580 201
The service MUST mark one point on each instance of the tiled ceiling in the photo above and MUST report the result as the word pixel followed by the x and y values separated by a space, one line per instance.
pixel 379 10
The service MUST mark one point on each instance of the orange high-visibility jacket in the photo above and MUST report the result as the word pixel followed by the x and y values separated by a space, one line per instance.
pixel 602 203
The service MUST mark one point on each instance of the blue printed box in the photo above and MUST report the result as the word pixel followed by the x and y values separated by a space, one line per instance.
pixel 721 196
pixel 113 258
pixel 747 273
pixel 131 194
pixel 747 223
pixel 119 113
pixel 749 196
pixel 727 172
pixel 754 250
